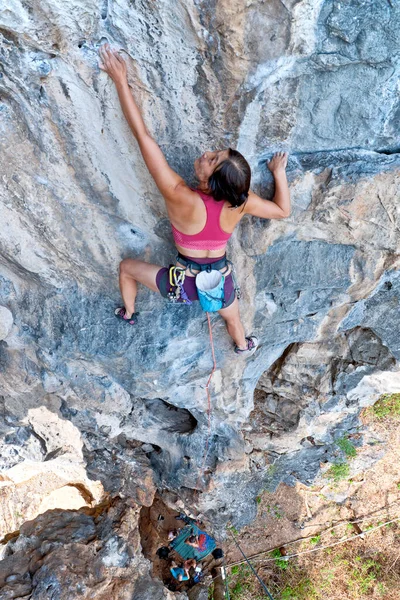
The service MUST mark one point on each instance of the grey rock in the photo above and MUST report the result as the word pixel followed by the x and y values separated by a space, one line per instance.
pixel 76 198
pixel 6 322
pixel 380 312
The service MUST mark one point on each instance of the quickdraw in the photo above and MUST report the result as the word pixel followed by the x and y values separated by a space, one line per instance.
pixel 176 280
pixel 235 281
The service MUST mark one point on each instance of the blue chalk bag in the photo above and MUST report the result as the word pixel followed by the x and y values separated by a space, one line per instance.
pixel 210 288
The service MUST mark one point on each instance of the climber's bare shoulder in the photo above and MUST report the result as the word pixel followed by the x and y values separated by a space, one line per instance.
pixel 182 195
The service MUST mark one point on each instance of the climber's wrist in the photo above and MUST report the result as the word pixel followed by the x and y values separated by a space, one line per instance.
pixel 121 83
pixel 280 174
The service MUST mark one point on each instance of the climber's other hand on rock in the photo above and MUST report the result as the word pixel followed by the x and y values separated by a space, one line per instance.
pixel 278 163
pixel 113 64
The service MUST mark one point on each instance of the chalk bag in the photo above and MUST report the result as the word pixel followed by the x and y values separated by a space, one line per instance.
pixel 210 289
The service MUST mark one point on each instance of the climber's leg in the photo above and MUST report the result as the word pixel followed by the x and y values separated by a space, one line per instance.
pixel 245 346
pixel 132 272
pixel 233 324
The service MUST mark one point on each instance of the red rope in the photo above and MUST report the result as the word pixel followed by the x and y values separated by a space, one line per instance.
pixel 208 397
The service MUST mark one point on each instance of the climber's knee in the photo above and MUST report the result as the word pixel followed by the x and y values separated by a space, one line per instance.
pixel 140 271
pixel 127 267
pixel 122 266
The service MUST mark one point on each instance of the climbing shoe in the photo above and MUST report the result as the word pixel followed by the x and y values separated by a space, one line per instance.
pixel 252 344
pixel 120 313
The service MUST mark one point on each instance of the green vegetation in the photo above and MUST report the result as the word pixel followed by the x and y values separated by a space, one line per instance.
pixel 238 589
pixel 304 590
pixel 347 447
pixel 280 561
pixel 232 529
pixel 362 576
pixel 356 570
pixel 243 585
pixel 381 588
pixel 274 510
pixel 338 471
pixel 343 575
pixel 241 581
pixel 388 406
pixel 315 540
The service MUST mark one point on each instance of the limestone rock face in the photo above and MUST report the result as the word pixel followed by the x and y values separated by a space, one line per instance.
pixel 6 321
pixel 318 78
pixel 72 554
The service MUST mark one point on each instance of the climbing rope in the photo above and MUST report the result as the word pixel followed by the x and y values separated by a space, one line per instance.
pixel 207 444
pixel 251 567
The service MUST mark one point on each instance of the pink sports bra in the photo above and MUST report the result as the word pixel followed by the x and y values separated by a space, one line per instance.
pixel 212 236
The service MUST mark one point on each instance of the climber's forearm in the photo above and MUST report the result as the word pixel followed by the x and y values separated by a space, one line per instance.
pixel 131 110
pixel 166 179
pixel 282 194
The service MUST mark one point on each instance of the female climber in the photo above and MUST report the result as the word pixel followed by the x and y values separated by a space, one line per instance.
pixel 202 219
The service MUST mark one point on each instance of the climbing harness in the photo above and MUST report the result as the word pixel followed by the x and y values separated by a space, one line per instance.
pixel 176 278
pixel 210 287
pixel 251 567
pixel 219 265
pixel 223 265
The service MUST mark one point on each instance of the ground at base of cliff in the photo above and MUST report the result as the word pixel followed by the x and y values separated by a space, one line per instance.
pixel 314 523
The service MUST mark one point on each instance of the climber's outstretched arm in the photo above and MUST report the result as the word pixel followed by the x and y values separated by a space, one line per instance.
pixel 168 182
pixel 279 207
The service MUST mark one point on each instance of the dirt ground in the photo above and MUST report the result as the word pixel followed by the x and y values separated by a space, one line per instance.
pixel 301 519
pixel 155 524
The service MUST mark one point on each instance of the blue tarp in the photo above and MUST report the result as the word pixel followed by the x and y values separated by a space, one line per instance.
pixel 186 551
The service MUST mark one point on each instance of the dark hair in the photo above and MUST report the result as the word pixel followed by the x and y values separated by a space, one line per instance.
pixel 192 539
pixel 231 179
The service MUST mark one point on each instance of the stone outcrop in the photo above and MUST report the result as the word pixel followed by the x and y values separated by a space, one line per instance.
pixel 80 554
pixel 321 288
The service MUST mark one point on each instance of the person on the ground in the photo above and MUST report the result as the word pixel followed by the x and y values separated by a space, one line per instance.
pixel 197 541
pixel 172 535
pixel 202 219
pixel 190 563
pixel 179 573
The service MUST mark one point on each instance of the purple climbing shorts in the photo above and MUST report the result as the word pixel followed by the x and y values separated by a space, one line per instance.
pixel 189 285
